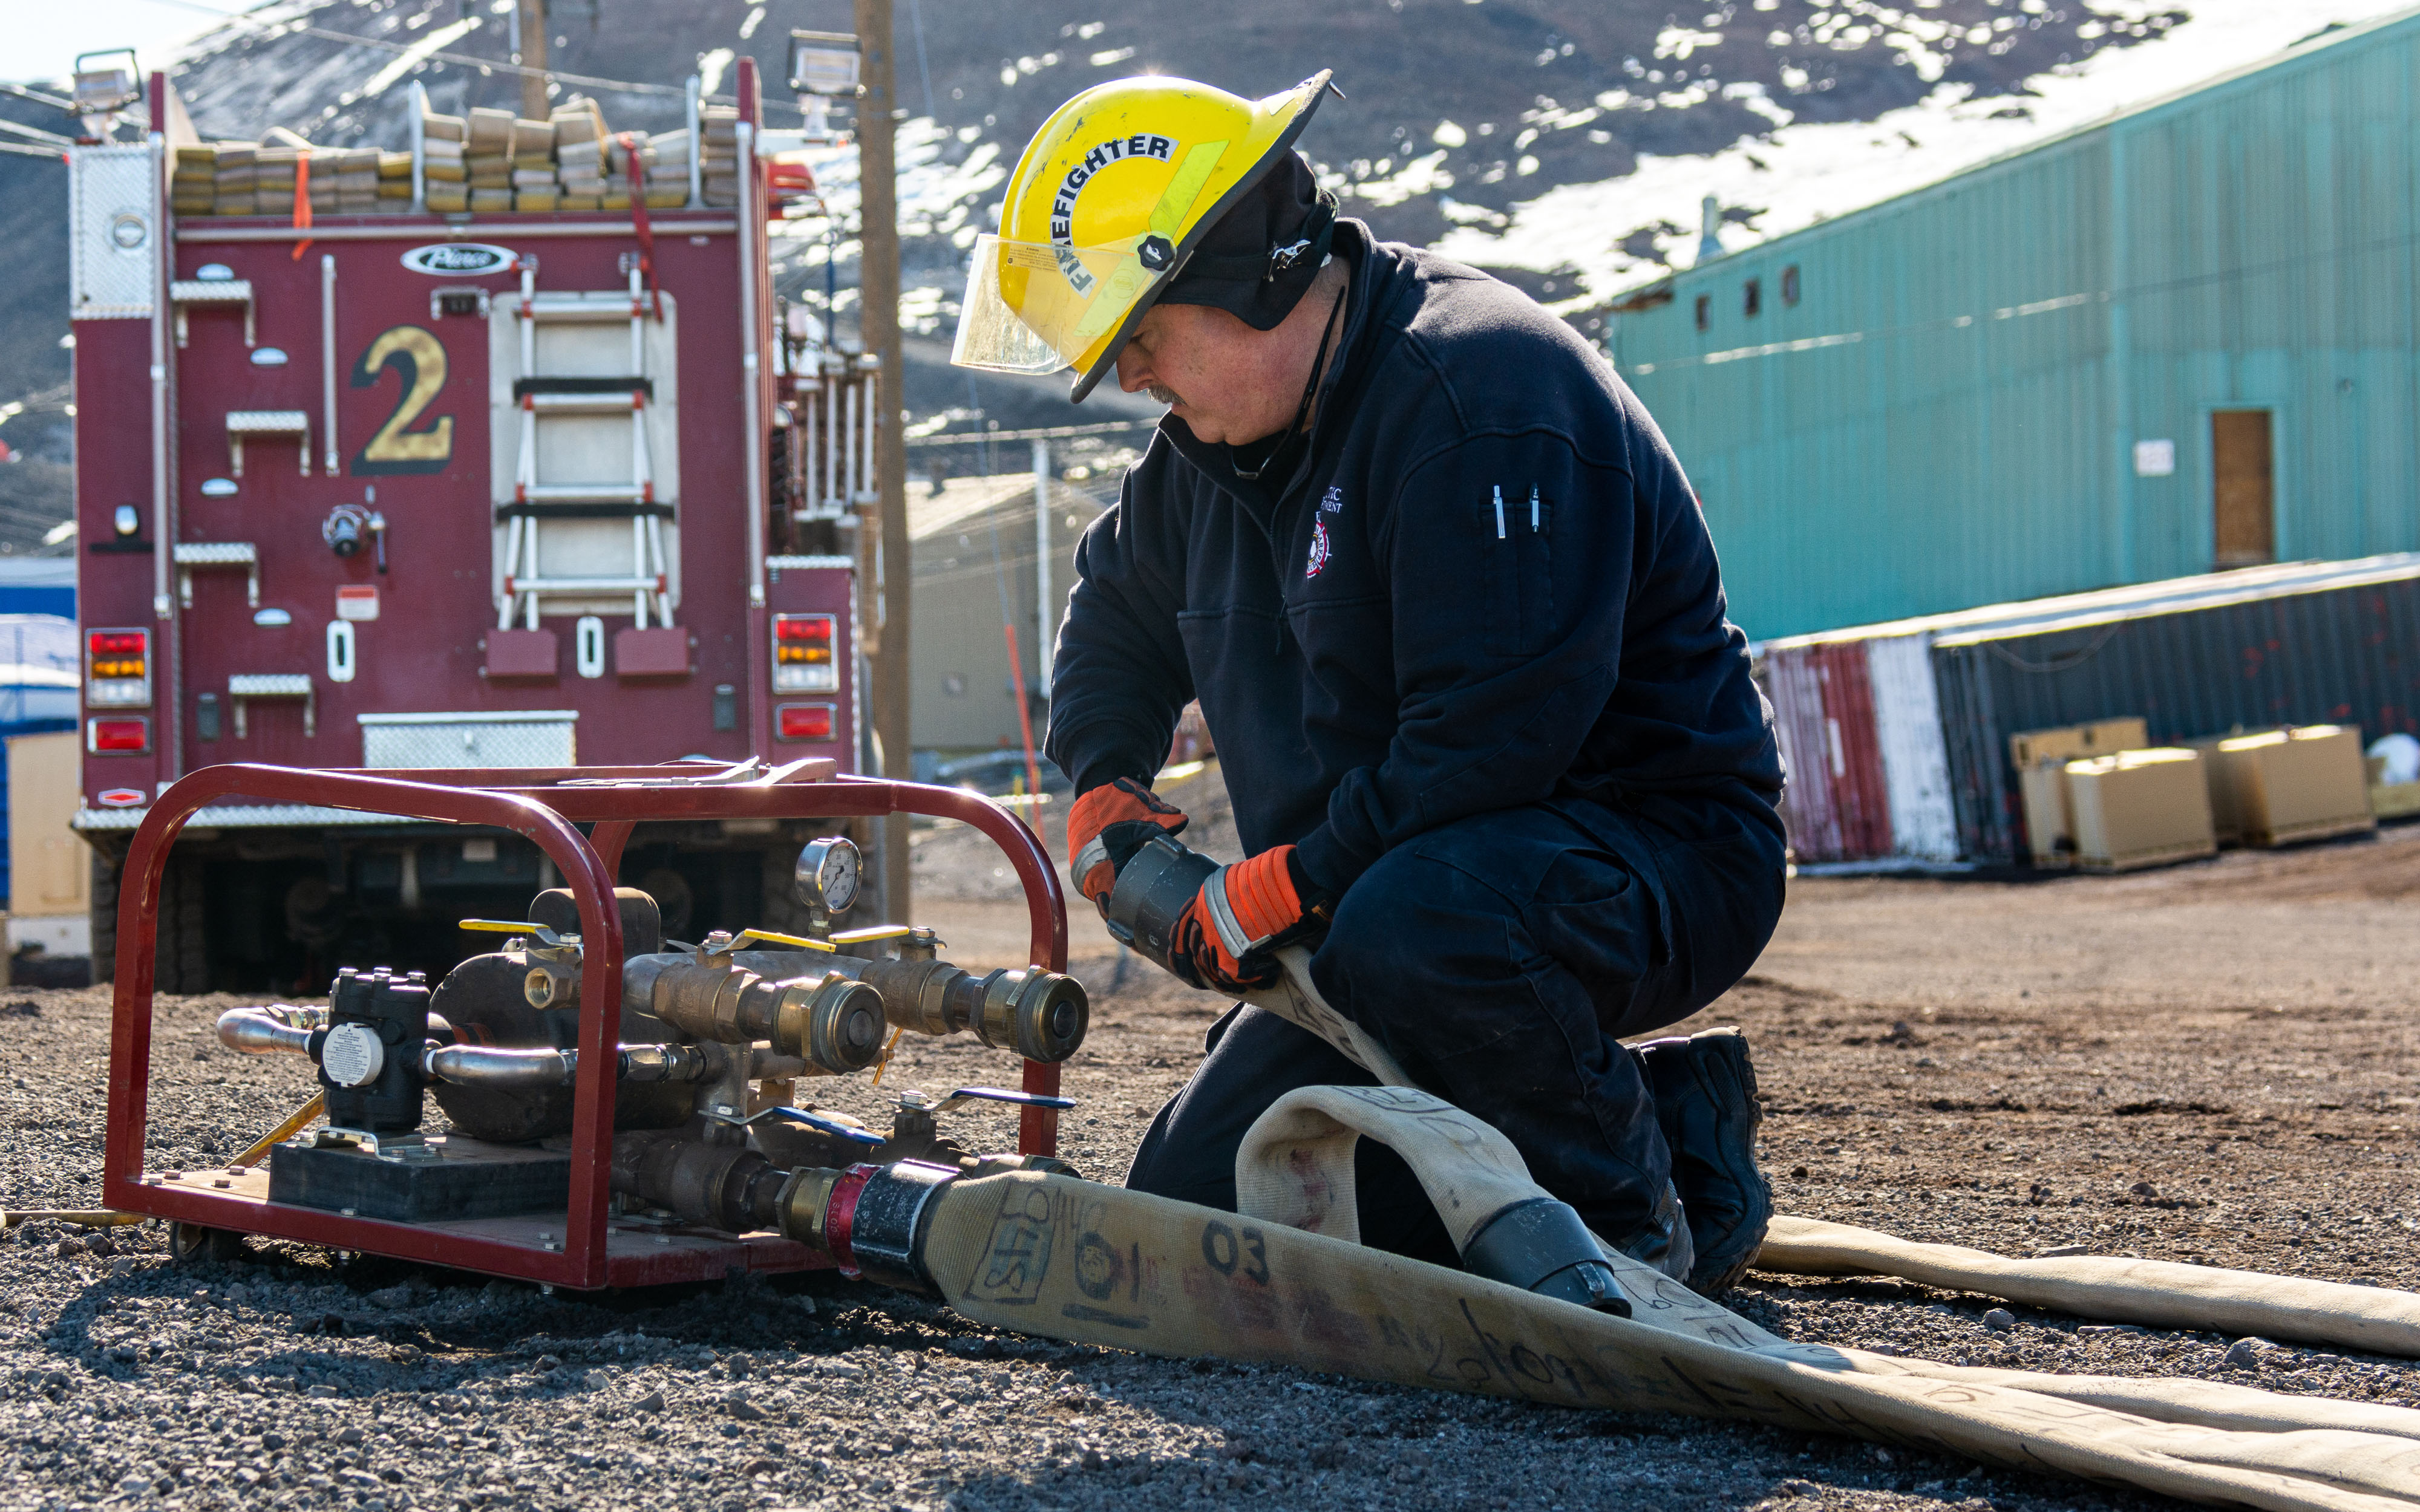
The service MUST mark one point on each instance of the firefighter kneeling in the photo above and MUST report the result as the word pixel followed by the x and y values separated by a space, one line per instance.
pixel 1455 621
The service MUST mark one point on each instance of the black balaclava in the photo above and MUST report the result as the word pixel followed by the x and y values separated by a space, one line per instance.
pixel 1259 260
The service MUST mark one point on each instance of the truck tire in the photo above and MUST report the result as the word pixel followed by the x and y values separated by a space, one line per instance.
pixel 104 914
pixel 776 907
pixel 184 960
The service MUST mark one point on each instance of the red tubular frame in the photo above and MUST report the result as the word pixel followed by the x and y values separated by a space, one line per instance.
pixel 533 803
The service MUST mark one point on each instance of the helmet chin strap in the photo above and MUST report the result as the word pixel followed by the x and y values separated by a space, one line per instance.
pixel 1310 388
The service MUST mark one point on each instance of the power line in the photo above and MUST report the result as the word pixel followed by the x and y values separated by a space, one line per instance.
pixel 35 134
pixel 38 97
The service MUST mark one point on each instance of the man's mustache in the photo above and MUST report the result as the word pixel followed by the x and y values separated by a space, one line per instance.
pixel 1164 395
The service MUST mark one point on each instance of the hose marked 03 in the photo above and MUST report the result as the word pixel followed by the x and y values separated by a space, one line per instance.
pixel 1062 1258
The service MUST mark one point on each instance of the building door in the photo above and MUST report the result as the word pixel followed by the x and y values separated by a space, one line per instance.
pixel 2242 488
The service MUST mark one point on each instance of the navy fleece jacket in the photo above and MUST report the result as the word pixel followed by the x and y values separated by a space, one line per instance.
pixel 1486 583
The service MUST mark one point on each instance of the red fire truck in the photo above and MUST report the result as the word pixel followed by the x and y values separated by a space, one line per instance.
pixel 413 489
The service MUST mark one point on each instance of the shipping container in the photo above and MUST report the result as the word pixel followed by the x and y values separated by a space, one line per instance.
pixel 1921 710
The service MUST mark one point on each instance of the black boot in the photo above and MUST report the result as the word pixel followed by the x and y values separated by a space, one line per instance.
pixel 1705 1100
pixel 1666 1243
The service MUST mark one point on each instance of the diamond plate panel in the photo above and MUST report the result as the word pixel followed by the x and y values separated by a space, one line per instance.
pixel 536 738
pixel 113 208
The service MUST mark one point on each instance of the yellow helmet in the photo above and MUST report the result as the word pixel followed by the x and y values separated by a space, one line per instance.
pixel 1112 196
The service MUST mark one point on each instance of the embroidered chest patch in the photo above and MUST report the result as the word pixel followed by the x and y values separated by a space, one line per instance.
pixel 1319 549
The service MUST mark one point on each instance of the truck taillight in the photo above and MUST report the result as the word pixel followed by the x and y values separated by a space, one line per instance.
pixel 128 736
pixel 804 722
pixel 803 658
pixel 118 668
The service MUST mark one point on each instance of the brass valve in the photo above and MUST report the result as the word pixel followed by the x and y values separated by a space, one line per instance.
pixel 1040 1014
pixel 554 959
pixel 826 1019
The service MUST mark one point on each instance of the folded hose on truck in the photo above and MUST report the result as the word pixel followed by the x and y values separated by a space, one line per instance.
pixel 1067 1259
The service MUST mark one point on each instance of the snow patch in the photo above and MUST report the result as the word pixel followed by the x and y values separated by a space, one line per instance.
pixel 1800 174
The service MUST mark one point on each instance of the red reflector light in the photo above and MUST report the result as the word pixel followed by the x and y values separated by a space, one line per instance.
pixel 803 721
pixel 119 736
pixel 803 627
pixel 117 643
pixel 119 797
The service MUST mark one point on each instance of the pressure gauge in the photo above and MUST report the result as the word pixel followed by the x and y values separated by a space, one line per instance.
pixel 827 874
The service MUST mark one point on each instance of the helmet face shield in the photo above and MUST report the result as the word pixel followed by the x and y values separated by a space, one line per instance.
pixel 1037 307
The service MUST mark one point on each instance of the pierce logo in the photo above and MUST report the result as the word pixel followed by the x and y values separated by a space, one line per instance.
pixel 1319 549
pixel 453 259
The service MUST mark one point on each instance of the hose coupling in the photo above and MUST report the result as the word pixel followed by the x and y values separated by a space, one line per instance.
pixel 1040 1014
pixel 1541 1245
pixel 831 1021
pixel 873 1221
pixel 726 1187
pixel 1153 890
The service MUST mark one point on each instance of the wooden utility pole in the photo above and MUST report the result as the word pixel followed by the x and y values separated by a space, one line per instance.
pixel 879 323
pixel 531 20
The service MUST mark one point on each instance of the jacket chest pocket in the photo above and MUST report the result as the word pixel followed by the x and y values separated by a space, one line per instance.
pixel 1513 554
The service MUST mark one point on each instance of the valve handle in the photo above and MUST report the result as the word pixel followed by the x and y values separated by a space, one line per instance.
pixel 913 1099
pixel 855 937
pixel 821 1124
pixel 747 934
pixel 873 933
pixel 506 926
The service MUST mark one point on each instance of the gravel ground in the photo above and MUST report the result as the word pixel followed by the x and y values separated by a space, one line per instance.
pixel 2211 1063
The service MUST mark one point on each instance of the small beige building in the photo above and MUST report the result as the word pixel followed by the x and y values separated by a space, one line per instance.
pixel 980 555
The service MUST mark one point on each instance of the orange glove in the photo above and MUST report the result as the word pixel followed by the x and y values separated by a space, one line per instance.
pixel 1107 825
pixel 1228 937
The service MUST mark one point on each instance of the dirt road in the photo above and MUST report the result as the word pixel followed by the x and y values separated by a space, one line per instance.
pixel 2213 1063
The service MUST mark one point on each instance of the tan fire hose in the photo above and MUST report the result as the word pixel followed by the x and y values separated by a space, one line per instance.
pixel 2161 1293
pixel 1294 1172
pixel 1072 1259
pixel 2158 1292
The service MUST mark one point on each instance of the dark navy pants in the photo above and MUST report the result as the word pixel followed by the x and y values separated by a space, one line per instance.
pixel 1499 959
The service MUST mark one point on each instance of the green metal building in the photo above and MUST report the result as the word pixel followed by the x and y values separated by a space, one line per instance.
pixel 2180 339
